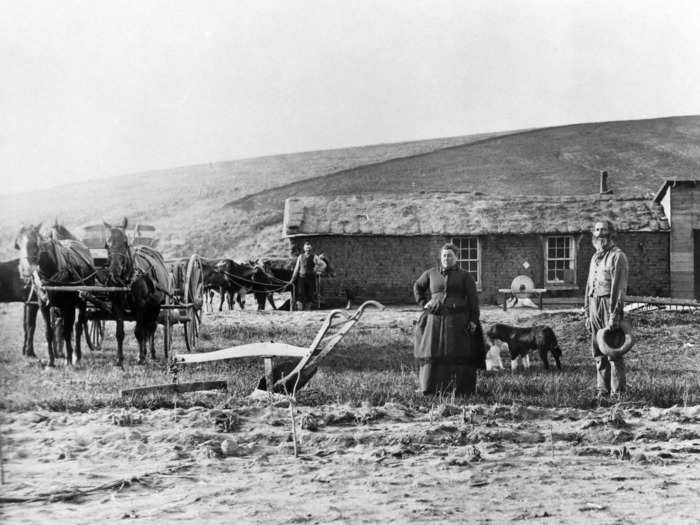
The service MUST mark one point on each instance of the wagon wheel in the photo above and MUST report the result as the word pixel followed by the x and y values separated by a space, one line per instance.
pixel 194 299
pixel 94 333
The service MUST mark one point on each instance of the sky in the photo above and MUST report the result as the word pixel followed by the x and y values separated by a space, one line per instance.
pixel 98 88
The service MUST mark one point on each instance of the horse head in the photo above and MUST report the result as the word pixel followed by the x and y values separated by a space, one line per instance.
pixel 49 260
pixel 119 259
pixel 27 242
pixel 60 233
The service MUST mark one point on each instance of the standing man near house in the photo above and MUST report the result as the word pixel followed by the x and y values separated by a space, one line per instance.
pixel 603 306
pixel 304 276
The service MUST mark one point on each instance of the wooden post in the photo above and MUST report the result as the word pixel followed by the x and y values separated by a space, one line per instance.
pixel 269 379
pixel 318 291
pixel 175 388
pixel 294 426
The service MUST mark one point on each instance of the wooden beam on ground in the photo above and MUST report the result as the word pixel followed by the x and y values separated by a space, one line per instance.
pixel 662 300
pixel 173 388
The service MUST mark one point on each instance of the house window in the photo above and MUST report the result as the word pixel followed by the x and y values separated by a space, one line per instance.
pixel 561 260
pixel 469 256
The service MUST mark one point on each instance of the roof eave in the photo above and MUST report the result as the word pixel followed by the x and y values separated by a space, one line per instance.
pixel 672 182
pixel 662 229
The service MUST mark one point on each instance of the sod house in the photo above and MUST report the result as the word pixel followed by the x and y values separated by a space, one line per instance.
pixel 380 244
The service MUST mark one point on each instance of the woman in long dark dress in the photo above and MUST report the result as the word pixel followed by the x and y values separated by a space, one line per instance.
pixel 448 343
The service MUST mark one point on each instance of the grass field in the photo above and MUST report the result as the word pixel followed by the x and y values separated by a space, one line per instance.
pixel 373 364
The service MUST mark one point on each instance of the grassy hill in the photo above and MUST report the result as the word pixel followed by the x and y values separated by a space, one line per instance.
pixel 639 156
pixel 236 207
pixel 187 203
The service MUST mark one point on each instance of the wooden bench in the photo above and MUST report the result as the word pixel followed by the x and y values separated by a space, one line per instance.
pixel 522 294
pixel 571 302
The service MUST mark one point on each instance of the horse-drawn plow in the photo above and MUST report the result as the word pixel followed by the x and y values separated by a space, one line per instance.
pixel 276 380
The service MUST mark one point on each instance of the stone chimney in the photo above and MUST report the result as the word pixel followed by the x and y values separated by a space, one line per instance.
pixel 604 183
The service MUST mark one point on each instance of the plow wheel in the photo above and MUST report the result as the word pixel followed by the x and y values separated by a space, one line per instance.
pixel 194 299
pixel 94 333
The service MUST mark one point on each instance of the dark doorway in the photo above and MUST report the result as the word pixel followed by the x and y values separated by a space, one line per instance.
pixel 696 262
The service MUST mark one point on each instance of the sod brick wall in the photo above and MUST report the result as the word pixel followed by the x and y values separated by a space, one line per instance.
pixel 384 268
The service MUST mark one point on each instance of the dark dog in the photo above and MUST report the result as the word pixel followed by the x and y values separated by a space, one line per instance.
pixel 521 340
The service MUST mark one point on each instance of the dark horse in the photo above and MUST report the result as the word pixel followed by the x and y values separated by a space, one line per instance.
pixel 23 273
pixel 143 271
pixel 48 261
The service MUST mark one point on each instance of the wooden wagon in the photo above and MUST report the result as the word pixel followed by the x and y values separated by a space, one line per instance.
pixel 184 297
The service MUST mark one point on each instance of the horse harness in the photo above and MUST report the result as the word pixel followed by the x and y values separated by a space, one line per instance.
pixel 274 281
pixel 61 251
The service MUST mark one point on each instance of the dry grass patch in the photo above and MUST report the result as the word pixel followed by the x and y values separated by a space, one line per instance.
pixel 373 364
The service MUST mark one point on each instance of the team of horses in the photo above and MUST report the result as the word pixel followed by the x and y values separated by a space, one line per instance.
pixel 135 279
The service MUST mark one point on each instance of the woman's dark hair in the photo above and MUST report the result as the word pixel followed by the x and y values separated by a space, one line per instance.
pixel 451 247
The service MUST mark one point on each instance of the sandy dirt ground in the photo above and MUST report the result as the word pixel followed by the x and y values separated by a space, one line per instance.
pixel 439 464
pixel 355 465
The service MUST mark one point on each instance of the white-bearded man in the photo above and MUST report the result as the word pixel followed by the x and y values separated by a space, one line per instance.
pixel 604 306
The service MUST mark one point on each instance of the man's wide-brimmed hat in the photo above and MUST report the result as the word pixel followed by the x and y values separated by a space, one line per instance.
pixel 615 343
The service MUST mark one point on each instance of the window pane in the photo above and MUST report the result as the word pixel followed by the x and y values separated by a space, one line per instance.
pixel 468 254
pixel 561 262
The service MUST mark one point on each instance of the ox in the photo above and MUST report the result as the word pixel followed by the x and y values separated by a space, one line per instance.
pixel 216 281
pixel 278 275
pixel 13 288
